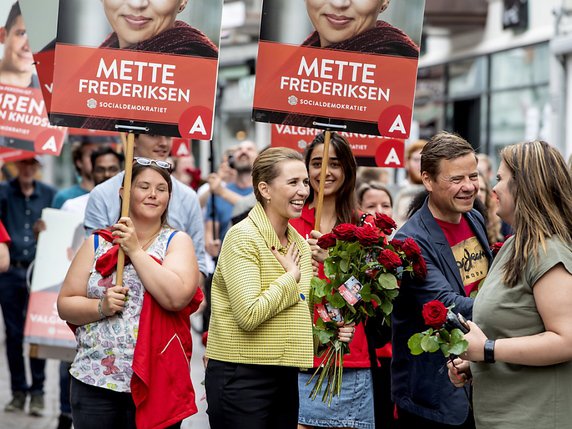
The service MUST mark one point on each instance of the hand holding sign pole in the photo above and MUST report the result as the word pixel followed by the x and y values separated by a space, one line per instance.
pixel 125 201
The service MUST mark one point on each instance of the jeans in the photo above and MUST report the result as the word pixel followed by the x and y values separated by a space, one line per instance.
pixel 98 408
pixel 14 302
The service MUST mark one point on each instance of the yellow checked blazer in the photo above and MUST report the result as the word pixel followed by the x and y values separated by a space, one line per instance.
pixel 259 314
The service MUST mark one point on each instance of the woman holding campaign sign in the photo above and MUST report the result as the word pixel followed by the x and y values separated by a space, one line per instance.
pixel 353 26
pixel 134 342
pixel 354 407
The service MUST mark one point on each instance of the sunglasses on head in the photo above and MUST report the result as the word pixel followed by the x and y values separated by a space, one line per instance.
pixel 146 161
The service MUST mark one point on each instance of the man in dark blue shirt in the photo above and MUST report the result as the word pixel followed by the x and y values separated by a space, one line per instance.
pixel 21 203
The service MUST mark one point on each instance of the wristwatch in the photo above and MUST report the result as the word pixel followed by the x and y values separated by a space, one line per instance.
pixel 490 351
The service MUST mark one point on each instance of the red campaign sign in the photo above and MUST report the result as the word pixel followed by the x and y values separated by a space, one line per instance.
pixel 368 150
pixel 181 147
pixel 11 155
pixel 24 122
pixel 44 62
pixel 134 86
pixel 43 324
pixel 294 84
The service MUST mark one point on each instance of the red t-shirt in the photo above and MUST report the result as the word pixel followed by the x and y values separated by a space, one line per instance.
pixel 468 252
pixel 4 237
pixel 358 357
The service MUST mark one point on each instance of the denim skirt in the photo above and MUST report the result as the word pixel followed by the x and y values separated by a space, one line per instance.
pixel 352 409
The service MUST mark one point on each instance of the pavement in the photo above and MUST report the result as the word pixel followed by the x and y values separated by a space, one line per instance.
pixel 50 418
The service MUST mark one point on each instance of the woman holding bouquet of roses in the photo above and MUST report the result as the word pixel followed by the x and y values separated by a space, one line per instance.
pixel 520 344
pixel 354 406
pixel 260 331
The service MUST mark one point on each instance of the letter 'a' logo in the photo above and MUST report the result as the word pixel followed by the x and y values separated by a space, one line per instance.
pixel 390 153
pixel 395 122
pixel 196 123
pixel 49 142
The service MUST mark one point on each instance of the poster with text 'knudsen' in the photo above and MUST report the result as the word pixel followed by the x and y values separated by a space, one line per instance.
pixel 24 122
pixel 150 67
pixel 342 66
pixel 368 150
pixel 41 18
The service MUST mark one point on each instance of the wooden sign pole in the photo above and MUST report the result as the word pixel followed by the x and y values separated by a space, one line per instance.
pixel 325 162
pixel 125 201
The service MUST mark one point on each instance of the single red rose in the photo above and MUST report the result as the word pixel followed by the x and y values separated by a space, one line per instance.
pixel 420 268
pixel 434 314
pixel 368 235
pixel 389 259
pixel 345 232
pixel 411 249
pixel 385 223
pixel 397 244
pixel 327 240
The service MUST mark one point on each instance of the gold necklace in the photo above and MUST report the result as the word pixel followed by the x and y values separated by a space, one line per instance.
pixel 148 243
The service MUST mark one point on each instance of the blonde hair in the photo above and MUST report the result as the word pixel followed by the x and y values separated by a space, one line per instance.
pixel 266 166
pixel 541 186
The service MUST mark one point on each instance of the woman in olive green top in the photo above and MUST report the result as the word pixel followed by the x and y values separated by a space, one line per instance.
pixel 260 332
pixel 520 344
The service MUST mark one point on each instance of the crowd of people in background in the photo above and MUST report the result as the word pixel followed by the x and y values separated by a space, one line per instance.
pixel 452 211
pixel 258 210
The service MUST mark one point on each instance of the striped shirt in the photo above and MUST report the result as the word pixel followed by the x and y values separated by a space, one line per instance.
pixel 259 314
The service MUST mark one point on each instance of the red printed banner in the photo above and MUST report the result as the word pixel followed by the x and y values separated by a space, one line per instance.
pixel 44 62
pixel 295 83
pixel 368 150
pixel 136 86
pixel 24 122
pixel 43 324
pixel 11 155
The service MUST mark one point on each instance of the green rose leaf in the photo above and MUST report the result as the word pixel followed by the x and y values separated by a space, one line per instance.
pixel 336 300
pixel 387 281
pixel 319 287
pixel 459 348
pixel 345 265
pixel 329 268
pixel 430 343
pixel 414 344
pixel 386 307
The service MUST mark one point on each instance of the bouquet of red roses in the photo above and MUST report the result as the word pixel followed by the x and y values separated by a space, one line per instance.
pixel 363 271
pixel 445 333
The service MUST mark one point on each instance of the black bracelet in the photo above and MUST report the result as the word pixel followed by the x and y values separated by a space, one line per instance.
pixel 490 351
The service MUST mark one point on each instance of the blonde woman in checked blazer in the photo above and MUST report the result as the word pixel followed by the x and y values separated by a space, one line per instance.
pixel 260 332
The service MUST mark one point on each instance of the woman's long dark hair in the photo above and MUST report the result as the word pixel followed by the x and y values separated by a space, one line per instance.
pixel 346 203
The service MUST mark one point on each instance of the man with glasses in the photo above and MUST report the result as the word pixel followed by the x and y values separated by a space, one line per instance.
pixel 106 163
pixel 184 213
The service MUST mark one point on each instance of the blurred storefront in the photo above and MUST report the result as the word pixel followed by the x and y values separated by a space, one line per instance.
pixel 488 73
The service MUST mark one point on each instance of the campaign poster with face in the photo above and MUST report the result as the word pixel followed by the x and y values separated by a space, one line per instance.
pixel 41 18
pixel 149 67
pixel 342 66
pixel 368 150
pixel 24 122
